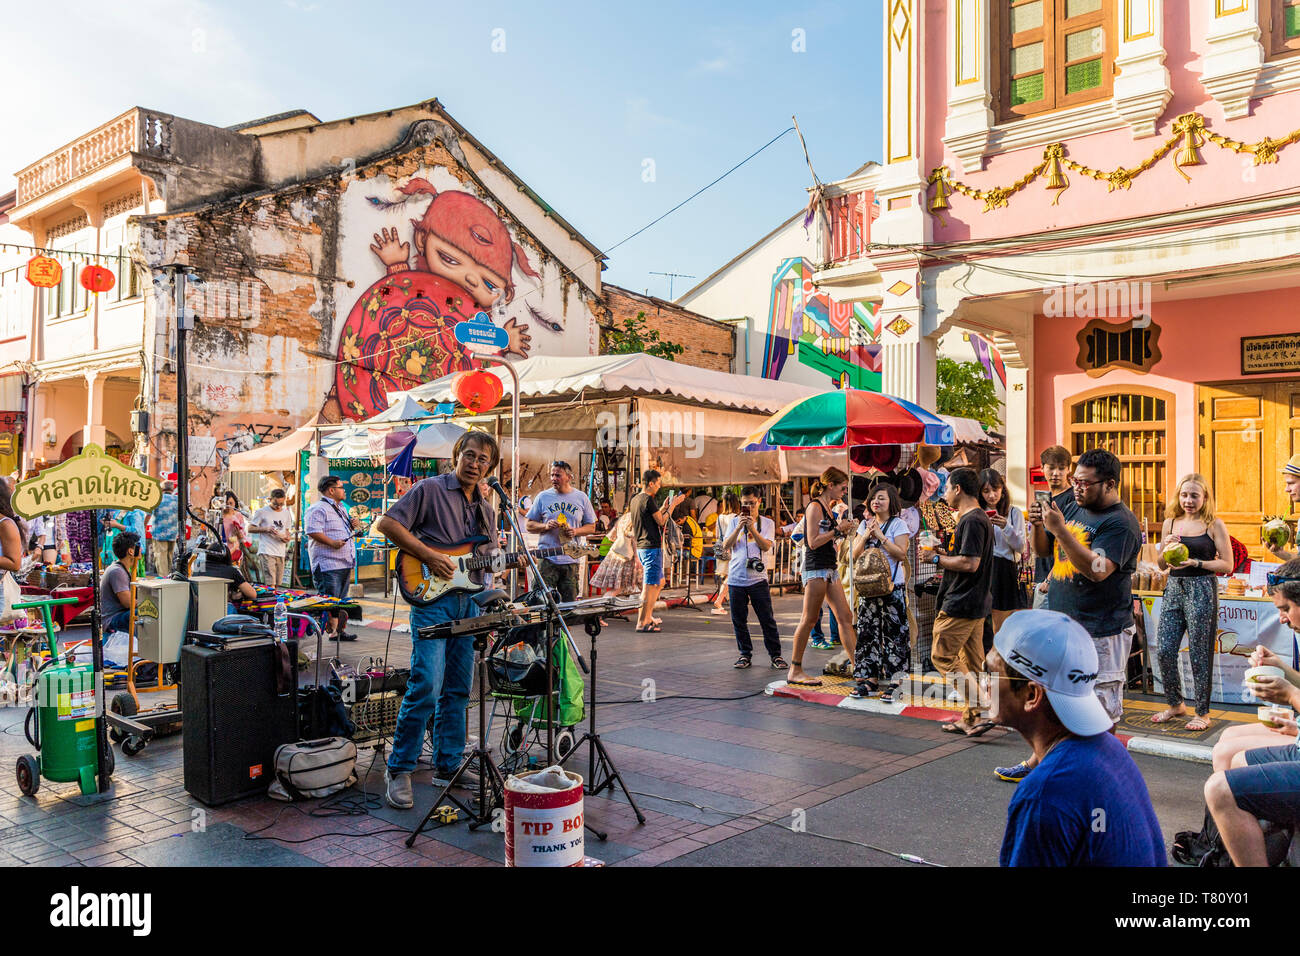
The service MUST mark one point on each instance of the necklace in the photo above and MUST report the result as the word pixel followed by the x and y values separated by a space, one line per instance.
pixel 1064 736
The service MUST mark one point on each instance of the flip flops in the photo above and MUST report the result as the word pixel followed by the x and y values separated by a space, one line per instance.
pixel 652 629
pixel 806 682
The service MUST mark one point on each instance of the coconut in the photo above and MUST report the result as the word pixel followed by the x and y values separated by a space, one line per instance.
pixel 1176 554
pixel 1275 533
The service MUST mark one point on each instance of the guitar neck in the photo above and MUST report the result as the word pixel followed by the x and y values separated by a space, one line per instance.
pixel 479 563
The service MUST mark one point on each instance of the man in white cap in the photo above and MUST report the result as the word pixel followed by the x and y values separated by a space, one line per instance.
pixel 1291 480
pixel 1085 804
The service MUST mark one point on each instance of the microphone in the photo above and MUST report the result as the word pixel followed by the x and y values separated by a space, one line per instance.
pixel 495 485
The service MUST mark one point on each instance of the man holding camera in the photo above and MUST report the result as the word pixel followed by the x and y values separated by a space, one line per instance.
pixel 749 537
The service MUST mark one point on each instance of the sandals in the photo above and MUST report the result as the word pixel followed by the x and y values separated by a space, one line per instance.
pixel 887 695
pixel 779 664
pixel 1165 716
pixel 864 689
pixel 978 730
pixel 1204 723
pixel 652 629
pixel 806 682
pixel 742 663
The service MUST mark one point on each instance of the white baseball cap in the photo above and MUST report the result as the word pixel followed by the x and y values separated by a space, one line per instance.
pixel 1054 650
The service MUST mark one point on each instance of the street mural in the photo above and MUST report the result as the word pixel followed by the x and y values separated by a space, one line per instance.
pixel 839 339
pixel 455 258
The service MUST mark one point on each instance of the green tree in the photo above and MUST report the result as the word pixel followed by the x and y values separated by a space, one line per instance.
pixel 963 390
pixel 636 336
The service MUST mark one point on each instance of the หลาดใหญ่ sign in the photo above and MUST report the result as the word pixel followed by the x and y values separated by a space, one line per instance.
pixel 92 480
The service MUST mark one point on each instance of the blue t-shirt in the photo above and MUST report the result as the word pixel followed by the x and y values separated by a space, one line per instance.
pixel 577 511
pixel 1086 804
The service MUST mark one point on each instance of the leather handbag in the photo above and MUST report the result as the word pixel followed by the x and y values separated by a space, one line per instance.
pixel 871 573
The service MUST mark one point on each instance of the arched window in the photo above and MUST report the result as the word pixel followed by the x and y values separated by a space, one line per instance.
pixel 1136 425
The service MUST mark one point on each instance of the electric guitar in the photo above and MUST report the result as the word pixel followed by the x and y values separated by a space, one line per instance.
pixel 421 587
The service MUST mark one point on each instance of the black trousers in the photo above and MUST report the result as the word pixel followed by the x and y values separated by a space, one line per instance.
pixel 741 597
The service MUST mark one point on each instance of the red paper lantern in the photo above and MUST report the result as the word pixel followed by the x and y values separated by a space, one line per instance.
pixel 97 279
pixel 477 391
pixel 44 272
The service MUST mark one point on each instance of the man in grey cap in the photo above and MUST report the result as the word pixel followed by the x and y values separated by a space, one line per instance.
pixel 1085 803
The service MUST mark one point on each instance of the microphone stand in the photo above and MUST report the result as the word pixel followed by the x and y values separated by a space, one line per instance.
pixel 553 617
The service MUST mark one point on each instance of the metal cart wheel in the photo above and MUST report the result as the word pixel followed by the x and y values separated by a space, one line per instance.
pixel 133 745
pixel 124 705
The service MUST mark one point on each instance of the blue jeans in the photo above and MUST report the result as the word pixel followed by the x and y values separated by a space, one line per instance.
pixel 817 632
pixel 118 622
pixel 438 689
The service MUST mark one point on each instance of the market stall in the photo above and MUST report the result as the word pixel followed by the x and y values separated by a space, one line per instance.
pixel 1245 623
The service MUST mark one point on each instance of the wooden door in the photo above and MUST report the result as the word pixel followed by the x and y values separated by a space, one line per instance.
pixel 1247 431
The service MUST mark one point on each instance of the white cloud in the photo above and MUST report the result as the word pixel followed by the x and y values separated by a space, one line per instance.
pixel 717 65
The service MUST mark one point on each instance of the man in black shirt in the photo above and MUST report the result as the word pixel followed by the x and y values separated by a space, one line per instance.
pixel 965 597
pixel 1094 539
pixel 647 526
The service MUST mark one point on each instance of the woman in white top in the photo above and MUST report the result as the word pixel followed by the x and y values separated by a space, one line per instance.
pixel 884 647
pixel 617 572
pixel 1008 545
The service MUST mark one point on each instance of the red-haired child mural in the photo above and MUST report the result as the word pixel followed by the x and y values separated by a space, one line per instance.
pixel 399 333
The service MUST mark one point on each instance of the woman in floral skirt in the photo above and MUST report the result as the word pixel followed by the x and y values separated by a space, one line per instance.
pixel 884 637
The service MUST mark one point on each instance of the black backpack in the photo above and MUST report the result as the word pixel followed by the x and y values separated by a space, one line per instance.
pixel 1206 848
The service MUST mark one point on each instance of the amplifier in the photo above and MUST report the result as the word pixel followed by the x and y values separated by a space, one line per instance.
pixel 375 718
pixel 234 720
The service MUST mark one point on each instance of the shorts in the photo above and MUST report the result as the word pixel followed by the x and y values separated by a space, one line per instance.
pixel 332 583
pixel 826 575
pixel 652 566
pixel 1268 787
pixel 1112 670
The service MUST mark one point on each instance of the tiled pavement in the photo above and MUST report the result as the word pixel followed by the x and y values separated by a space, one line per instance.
pixel 704 772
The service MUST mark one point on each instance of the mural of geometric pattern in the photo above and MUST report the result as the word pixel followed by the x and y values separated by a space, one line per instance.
pixel 839 339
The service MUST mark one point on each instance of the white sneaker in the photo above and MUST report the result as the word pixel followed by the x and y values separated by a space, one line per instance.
pixel 397 790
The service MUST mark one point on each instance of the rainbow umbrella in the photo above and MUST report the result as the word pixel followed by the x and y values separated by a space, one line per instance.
pixel 847 417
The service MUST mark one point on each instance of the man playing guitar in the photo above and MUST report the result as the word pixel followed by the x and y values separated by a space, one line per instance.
pixel 440 513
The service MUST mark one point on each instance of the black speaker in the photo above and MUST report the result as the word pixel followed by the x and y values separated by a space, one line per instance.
pixel 234 719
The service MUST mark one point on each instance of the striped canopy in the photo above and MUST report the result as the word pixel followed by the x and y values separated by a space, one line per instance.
pixel 847 417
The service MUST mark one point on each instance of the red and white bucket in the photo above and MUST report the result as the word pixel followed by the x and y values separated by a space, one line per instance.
pixel 544 819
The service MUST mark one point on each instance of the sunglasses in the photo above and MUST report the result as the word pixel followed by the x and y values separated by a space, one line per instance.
pixel 1274 579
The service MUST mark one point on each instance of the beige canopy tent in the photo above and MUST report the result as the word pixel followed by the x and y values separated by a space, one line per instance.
pixel 681 420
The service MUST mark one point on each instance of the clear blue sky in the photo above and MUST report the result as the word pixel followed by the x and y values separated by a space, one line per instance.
pixel 582 95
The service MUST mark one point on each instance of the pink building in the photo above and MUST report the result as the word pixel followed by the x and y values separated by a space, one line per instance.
pixel 1106 189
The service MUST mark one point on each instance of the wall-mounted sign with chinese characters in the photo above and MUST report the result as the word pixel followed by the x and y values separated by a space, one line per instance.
pixel 1270 354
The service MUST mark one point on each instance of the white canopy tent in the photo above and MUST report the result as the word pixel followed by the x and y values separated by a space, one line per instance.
pixel 431 441
pixel 681 420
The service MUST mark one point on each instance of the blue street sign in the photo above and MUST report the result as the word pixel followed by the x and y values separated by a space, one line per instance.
pixel 479 333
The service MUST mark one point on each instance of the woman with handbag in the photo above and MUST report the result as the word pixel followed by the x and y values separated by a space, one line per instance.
pixel 821 579
pixel 880 579
pixel 617 572
pixel 730 506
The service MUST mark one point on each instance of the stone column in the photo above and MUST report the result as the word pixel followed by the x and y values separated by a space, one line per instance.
pixel 94 430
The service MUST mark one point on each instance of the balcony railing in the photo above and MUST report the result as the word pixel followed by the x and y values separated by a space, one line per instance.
pixel 849 218
pixel 137 130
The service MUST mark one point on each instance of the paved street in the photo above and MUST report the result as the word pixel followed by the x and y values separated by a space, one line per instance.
pixel 720 781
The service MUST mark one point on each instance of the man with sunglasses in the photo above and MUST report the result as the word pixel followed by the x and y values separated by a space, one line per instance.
pixel 439 513
pixel 559 514
pixel 1086 803
pixel 1094 539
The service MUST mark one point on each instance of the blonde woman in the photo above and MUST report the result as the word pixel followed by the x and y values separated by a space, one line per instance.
pixel 1191 598
pixel 821 579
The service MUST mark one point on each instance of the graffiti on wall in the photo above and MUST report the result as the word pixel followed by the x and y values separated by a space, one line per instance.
pixel 455 258
pixel 245 436
pixel 839 339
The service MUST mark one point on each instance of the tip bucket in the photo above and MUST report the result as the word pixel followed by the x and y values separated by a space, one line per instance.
pixel 544 819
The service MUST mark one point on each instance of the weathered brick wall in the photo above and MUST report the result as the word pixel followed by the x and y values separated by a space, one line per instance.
pixel 708 344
